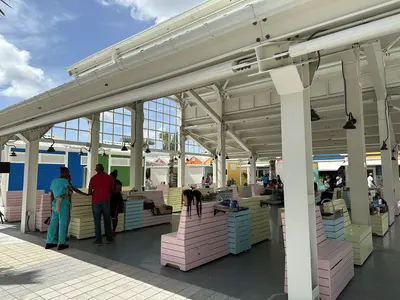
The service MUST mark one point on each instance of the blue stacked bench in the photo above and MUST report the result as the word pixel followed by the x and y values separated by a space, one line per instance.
pixel 239 236
pixel 133 214
pixel 334 227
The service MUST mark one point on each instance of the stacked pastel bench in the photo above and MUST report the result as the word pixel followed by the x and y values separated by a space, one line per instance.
pixel 164 189
pixel 175 199
pixel 334 226
pixel 239 231
pixel 257 189
pixel 245 191
pixel 82 223
pixel 43 211
pixel 335 262
pixel 13 206
pixel 380 223
pixel 198 240
pixel 259 218
pixel 133 218
pixel 360 236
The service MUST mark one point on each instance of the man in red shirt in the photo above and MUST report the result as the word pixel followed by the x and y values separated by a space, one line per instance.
pixel 100 188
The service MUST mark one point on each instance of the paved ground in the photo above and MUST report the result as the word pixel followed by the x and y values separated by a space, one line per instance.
pixel 28 271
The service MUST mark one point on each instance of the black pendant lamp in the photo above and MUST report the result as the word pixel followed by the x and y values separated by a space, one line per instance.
pixel 314 115
pixel 384 146
pixel 13 154
pixel 350 124
pixel 147 151
pixel 227 157
pixel 124 148
pixel 51 148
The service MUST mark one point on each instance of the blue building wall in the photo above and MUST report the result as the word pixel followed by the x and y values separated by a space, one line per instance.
pixel 76 169
pixel 46 172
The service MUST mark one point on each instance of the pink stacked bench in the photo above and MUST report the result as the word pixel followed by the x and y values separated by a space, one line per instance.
pixel 197 241
pixel 257 189
pixel 43 211
pixel 335 262
pixel 148 218
pixel 164 189
pixel 13 206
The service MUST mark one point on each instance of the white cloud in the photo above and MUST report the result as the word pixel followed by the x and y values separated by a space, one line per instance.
pixel 157 10
pixel 17 77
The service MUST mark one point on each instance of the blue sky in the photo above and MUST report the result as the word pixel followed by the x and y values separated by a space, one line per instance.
pixel 39 39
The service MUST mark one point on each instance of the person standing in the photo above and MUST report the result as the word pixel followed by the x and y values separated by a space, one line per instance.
pixel 265 180
pixel 101 186
pixel 116 201
pixel 370 181
pixel 74 190
pixel 60 207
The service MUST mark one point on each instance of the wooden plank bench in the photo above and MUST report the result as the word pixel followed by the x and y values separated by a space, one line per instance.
pixel 245 191
pixel 335 262
pixel 13 205
pixel 198 240
pixel 257 189
pixel 334 226
pixel 359 235
pixel 239 231
pixel 380 223
pixel 133 217
pixel 43 211
pixel 259 218
pixel 148 218
pixel 175 199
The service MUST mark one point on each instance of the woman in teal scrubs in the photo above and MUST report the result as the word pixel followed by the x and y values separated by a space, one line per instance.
pixel 60 191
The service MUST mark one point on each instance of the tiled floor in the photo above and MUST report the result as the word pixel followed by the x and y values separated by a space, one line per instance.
pixel 28 271
pixel 132 264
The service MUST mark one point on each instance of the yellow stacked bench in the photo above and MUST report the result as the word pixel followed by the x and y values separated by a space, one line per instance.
pixel 359 235
pixel 175 199
pixel 380 223
pixel 259 218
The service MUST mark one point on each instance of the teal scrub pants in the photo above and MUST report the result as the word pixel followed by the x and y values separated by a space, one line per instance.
pixel 59 221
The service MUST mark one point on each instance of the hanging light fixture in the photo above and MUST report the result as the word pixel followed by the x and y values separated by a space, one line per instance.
pixel 175 158
pixel 12 154
pixel 227 156
pixel 384 146
pixel 394 152
pixel 187 159
pixel 81 151
pixel 350 124
pixel 104 153
pixel 124 148
pixel 147 151
pixel 51 148
pixel 314 115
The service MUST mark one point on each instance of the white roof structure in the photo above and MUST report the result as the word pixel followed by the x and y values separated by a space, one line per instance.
pixel 225 50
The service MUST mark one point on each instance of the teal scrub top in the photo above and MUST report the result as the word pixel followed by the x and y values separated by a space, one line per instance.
pixel 59 187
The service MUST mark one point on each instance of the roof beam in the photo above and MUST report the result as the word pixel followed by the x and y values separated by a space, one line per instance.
pixel 207 109
pixel 216 118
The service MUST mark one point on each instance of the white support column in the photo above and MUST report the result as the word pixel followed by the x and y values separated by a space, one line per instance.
pixel 355 140
pixel 30 186
pixel 301 240
pixel 93 155
pixel 182 159
pixel 253 169
pixel 133 146
pixel 136 159
pixel 376 66
pixel 31 139
pixel 215 172
pixel 182 147
pixel 221 135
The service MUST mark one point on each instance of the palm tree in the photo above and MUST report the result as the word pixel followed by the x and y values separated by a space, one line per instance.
pixel 6 4
pixel 169 140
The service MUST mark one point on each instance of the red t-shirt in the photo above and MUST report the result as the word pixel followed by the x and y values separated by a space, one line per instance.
pixel 101 186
